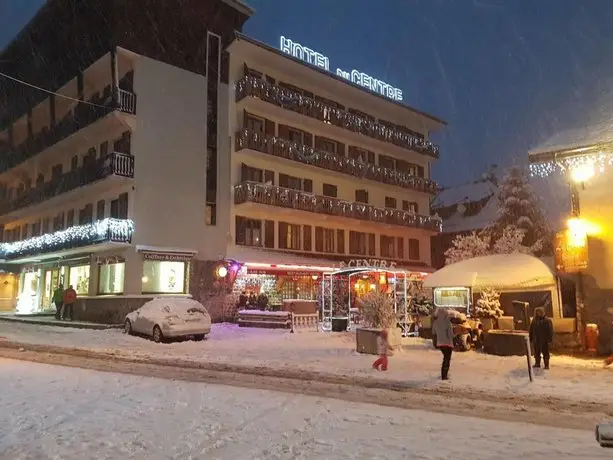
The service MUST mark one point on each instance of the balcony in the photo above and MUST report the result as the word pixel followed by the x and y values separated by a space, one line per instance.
pixel 115 164
pixel 282 148
pixel 82 116
pixel 288 99
pixel 102 231
pixel 255 192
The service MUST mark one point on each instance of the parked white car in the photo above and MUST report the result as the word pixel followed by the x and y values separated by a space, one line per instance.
pixel 169 318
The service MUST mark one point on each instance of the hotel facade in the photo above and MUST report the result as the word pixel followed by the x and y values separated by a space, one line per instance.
pixel 200 164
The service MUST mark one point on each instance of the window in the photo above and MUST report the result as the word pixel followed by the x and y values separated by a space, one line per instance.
pixel 251 174
pixel 358 243
pixel 289 236
pixel 35 228
pixel 390 202
pixel 164 277
pixel 413 249
pixel 410 206
pixel 388 249
pixel 74 162
pixel 100 210
pixel 24 231
pixel 58 222
pixel 86 215
pixel 296 136
pixel 269 234
pixel 330 190
pixel 340 241
pixel 387 162
pixel 254 123
pixel 104 149
pixel 327 145
pixel 295 183
pixel 400 247
pixel 362 155
pixel 325 239
pixel 210 213
pixel 122 144
pixel 119 207
pixel 56 171
pixel 361 196
pixel 40 180
pixel 371 245
pixel 78 278
pixel 248 231
pixel 70 218
pixel 110 278
pixel 45 226
pixel 307 231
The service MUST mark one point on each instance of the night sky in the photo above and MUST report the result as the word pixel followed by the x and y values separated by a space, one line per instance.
pixel 505 74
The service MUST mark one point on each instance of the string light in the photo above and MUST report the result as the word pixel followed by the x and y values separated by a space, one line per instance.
pixel 594 161
pixel 119 230
pixel 295 101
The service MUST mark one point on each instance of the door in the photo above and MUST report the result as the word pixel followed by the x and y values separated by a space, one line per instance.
pixel 52 281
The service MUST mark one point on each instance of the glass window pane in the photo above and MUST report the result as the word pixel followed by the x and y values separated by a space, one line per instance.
pixel 79 279
pixel 111 278
pixel 164 277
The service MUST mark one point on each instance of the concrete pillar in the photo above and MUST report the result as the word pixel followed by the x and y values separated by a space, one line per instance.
pixel 133 283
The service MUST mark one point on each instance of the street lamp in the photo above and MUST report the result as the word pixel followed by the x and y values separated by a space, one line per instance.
pixel 582 173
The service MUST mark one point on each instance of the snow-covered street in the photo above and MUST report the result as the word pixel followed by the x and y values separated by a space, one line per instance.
pixel 417 365
pixel 57 412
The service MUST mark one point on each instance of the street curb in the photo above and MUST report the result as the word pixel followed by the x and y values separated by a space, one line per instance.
pixel 425 388
pixel 71 324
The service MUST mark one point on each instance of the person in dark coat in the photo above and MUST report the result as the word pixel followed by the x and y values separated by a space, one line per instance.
pixel 541 335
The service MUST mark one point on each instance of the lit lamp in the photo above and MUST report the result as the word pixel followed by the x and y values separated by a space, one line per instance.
pixel 222 271
pixel 314 277
pixel 577 233
pixel 382 278
pixel 582 173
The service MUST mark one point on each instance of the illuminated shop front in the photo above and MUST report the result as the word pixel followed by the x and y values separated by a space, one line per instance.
pixel 165 273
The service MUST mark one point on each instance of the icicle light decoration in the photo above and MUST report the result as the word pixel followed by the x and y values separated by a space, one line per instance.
pixel 272 195
pixel 296 102
pixel 282 148
pixel 118 230
pixel 599 161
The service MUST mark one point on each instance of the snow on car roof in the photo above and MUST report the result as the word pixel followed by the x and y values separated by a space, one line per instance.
pixel 175 303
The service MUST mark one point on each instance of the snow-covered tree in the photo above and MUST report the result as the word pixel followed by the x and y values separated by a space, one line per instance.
pixel 468 246
pixel 378 309
pixel 512 242
pixel 488 305
pixel 519 207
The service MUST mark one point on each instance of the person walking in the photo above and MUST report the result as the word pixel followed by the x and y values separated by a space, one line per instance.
pixel 58 300
pixel 443 329
pixel 383 350
pixel 70 297
pixel 541 335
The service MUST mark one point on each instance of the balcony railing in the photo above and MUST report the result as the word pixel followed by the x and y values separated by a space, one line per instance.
pixel 101 231
pixel 82 116
pixel 282 148
pixel 271 195
pixel 296 102
pixel 115 164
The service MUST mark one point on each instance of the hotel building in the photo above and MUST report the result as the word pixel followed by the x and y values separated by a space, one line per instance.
pixel 155 162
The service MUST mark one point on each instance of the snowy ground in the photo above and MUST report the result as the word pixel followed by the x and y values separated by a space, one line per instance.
pixel 418 364
pixel 57 412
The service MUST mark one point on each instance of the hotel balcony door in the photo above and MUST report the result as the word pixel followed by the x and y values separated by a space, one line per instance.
pixel 52 280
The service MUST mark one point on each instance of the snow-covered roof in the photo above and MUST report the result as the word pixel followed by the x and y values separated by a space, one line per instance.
pixel 552 193
pixel 576 138
pixel 502 272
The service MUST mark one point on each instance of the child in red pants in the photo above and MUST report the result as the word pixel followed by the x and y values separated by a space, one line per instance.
pixel 383 350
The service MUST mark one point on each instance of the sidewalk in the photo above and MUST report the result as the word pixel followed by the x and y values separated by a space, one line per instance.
pixel 310 355
pixel 49 320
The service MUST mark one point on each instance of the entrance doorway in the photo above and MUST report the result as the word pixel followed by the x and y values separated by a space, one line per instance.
pixel 52 281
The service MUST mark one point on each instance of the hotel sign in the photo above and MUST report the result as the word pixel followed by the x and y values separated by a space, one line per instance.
pixel 355 76
pixel 368 263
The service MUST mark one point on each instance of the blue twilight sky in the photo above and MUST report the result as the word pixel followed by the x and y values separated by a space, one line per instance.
pixel 505 74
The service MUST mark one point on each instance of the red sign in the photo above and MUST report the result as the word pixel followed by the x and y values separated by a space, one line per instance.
pixel 270 271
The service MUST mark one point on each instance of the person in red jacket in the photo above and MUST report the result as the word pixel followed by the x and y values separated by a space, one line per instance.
pixel 70 297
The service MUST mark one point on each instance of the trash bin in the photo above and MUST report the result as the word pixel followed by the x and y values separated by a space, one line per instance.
pixel 591 337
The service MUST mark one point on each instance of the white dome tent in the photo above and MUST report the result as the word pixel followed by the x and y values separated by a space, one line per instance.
pixel 503 272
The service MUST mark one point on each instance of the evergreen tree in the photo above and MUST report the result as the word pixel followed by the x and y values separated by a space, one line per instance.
pixel 519 207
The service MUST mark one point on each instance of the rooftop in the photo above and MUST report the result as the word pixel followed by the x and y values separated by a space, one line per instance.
pixel 574 141
pixel 412 110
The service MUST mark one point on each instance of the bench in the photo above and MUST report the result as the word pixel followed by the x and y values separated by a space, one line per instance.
pixel 265 319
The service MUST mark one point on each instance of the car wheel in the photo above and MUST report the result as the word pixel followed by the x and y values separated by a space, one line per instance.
pixel 127 327
pixel 157 334
pixel 465 343
pixel 199 337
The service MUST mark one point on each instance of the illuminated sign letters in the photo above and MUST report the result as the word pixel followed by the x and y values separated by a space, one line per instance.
pixel 355 76
pixel 368 263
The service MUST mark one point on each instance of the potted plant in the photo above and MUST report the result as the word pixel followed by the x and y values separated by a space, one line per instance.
pixel 378 313
pixel 423 307
pixel 487 308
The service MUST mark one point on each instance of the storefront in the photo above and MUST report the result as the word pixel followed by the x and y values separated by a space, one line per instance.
pixel 166 273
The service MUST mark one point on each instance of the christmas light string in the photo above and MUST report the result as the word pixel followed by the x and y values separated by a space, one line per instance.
pixel 599 161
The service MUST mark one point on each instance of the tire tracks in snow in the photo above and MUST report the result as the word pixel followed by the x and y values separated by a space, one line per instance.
pixel 532 409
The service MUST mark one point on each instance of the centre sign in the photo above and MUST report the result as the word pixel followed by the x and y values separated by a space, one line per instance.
pixel 355 76
pixel 368 263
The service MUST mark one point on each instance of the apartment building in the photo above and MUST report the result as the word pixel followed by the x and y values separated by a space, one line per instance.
pixel 322 172
pixel 105 175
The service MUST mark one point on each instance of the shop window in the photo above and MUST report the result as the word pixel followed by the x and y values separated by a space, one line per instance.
pixel 289 236
pixel 248 231
pixel 413 249
pixel 330 190
pixel 110 278
pixel 390 202
pixel 78 278
pixel 388 249
pixel 164 277
pixel 361 196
